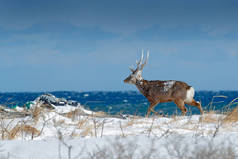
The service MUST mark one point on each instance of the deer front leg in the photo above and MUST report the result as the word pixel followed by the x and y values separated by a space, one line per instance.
pixel 197 104
pixel 151 108
pixel 180 104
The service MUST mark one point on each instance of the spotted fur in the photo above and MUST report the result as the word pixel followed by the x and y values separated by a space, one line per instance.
pixel 168 91
pixel 162 91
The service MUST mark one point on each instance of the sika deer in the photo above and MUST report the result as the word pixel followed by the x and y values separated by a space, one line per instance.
pixel 162 91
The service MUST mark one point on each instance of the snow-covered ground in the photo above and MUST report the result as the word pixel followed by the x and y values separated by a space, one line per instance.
pixel 73 132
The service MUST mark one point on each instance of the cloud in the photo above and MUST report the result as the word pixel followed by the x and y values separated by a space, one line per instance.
pixel 97 40
pixel 121 17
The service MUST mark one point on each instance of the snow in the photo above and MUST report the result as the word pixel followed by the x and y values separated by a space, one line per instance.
pixel 86 133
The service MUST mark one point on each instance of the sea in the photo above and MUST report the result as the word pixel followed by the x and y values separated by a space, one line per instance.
pixel 127 102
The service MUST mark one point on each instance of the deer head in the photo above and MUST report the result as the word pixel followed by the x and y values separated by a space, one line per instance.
pixel 136 74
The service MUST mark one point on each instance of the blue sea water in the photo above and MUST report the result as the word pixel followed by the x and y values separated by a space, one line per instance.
pixel 127 102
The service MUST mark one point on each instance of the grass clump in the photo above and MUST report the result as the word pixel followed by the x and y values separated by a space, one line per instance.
pixel 232 116
pixel 23 129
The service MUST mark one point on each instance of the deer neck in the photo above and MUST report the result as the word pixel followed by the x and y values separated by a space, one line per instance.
pixel 142 86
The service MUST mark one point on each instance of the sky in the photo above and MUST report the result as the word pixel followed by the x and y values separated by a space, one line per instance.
pixel 74 45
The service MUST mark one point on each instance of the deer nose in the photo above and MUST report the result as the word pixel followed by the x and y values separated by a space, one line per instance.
pixel 126 80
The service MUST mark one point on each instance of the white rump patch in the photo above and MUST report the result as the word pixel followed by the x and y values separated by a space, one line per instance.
pixel 190 95
pixel 168 85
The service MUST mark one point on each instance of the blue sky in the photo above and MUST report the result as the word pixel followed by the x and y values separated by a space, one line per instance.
pixel 50 45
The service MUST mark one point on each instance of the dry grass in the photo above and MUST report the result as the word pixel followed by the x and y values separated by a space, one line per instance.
pixel 90 125
pixel 20 129
pixel 82 123
pixel 100 114
pixel 209 117
pixel 134 121
pixel 74 114
pixel 71 114
pixel 174 119
pixel 74 134
pixel 87 130
pixel 36 113
pixel 232 116
pixel 5 127
pixel 131 122
pixel 77 112
pixel 173 148
pixel 59 122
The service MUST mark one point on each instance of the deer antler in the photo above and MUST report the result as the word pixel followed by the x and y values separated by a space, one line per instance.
pixel 141 59
pixel 139 64
pixel 146 60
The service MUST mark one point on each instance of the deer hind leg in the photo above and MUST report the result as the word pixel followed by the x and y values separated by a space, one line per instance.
pixel 180 104
pixel 196 104
pixel 151 108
